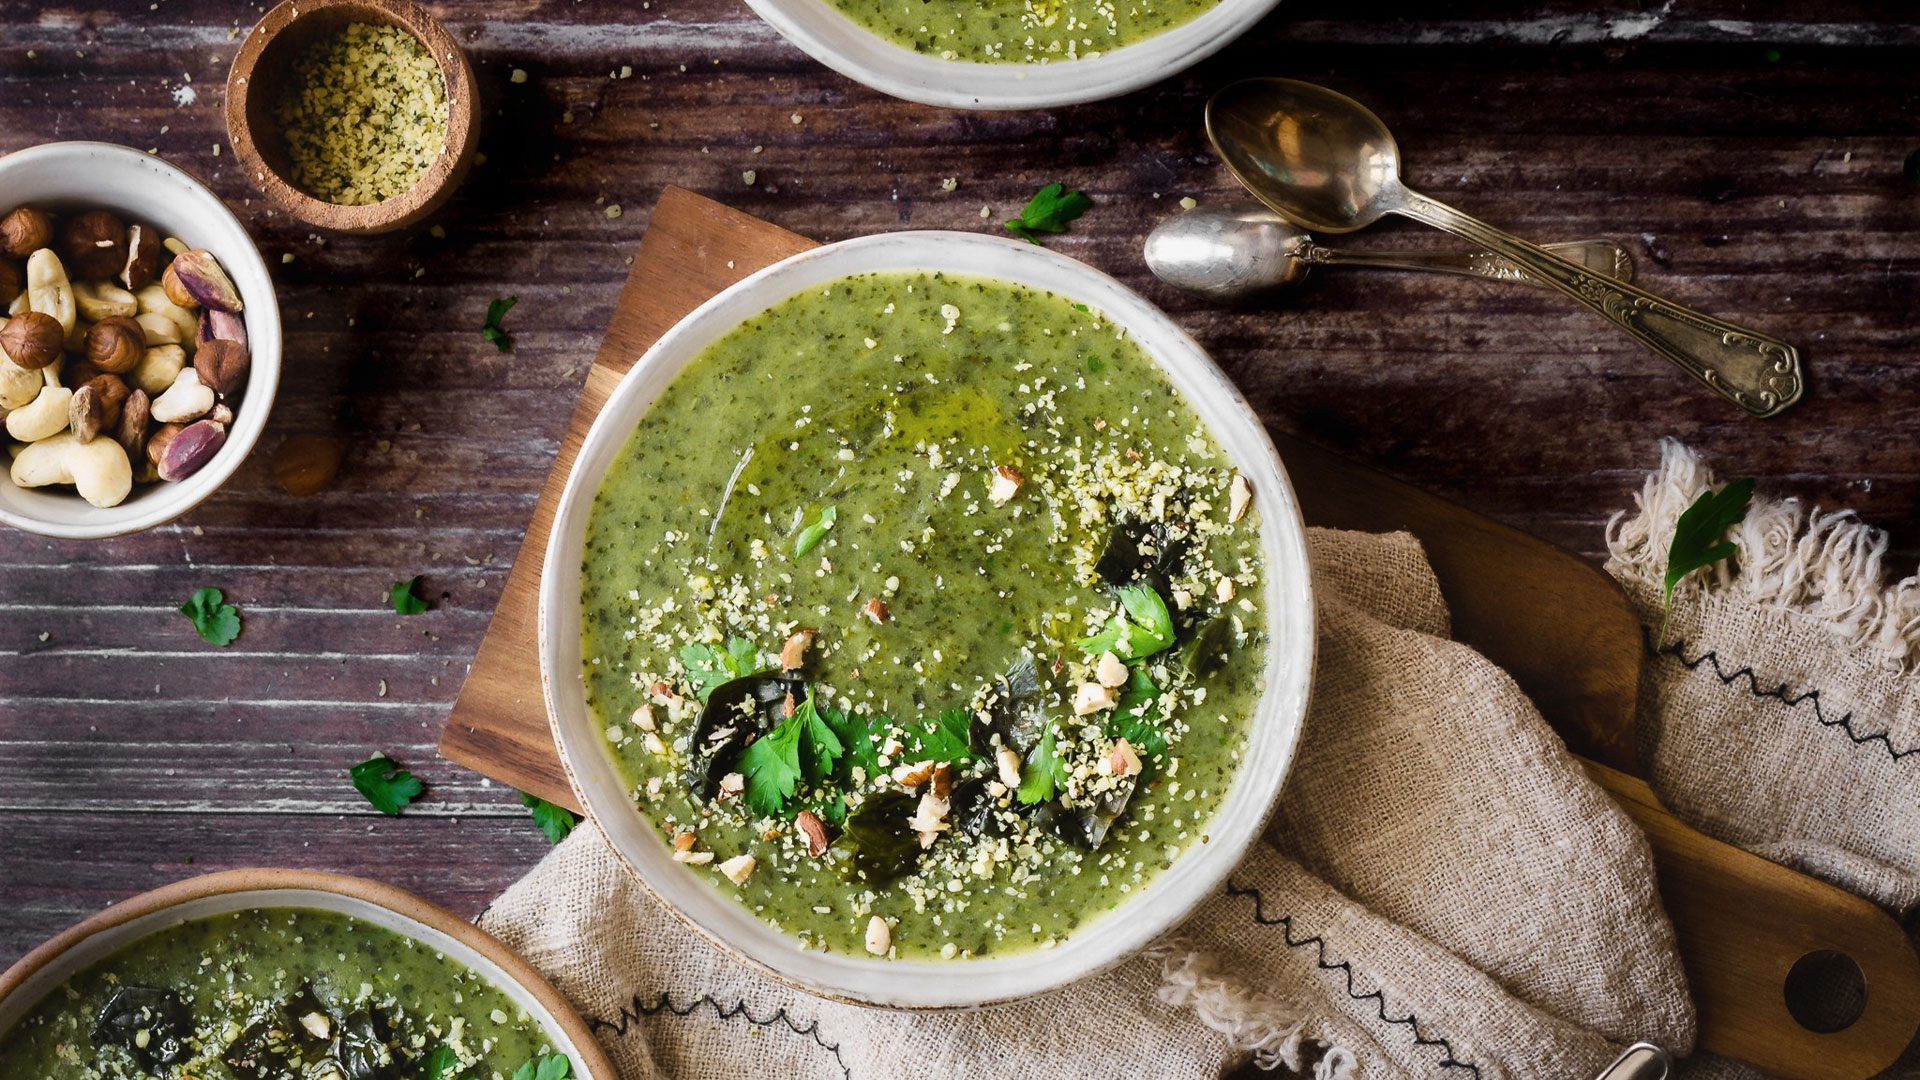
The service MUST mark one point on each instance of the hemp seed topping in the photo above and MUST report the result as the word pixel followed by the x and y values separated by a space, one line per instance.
pixel 364 116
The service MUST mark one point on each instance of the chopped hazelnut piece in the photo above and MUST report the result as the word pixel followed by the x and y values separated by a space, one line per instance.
pixel 810 826
pixel 1005 485
pixel 662 692
pixel 876 610
pixel 929 819
pixel 732 784
pixel 1092 698
pixel 693 858
pixel 1223 590
pixel 1111 671
pixel 788 706
pixel 879 936
pixel 318 1025
pixel 739 868
pixel 643 717
pixel 795 650
pixel 1009 761
pixel 942 780
pixel 913 774
pixel 1239 497
pixel 684 841
pixel 1124 760
pixel 1182 599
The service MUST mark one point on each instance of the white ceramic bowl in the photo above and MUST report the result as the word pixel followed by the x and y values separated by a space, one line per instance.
pixel 837 41
pixel 1287 596
pixel 43 970
pixel 76 176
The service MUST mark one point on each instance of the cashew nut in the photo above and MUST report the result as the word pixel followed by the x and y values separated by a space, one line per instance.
pixel 45 417
pixel 18 304
pixel 158 368
pixel 103 300
pixel 100 468
pixel 152 300
pixel 187 399
pixel 48 290
pixel 18 386
pixel 159 329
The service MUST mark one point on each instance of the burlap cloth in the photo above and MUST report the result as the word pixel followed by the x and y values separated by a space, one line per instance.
pixel 1442 892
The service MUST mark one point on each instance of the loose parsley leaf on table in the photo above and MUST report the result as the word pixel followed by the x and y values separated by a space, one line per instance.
pixel 496 311
pixel 217 621
pixel 385 784
pixel 1049 211
pixel 1696 537
pixel 1143 627
pixel 406 597
pixel 1044 772
pixel 805 540
pixel 555 821
pixel 709 667
pixel 555 1067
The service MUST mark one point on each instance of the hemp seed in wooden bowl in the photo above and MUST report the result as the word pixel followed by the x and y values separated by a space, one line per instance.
pixel 358 116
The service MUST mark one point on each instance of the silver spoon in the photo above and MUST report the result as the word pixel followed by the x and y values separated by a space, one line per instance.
pixel 1240 252
pixel 1329 166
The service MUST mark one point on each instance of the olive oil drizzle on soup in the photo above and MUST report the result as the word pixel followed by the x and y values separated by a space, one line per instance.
pixel 280 991
pixel 922 617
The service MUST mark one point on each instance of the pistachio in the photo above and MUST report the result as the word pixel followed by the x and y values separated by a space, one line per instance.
pixel 96 406
pixel 135 415
pixel 191 448
pixel 306 464
pixel 103 300
pixel 95 244
pixel 12 281
pixel 24 231
pixel 99 469
pixel 143 257
pixel 158 368
pixel 187 399
pixel 195 278
pixel 221 326
pixel 48 290
pixel 32 340
pixel 116 345
pixel 223 365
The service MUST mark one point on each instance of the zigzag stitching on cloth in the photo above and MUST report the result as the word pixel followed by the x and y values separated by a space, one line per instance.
pixel 1778 693
pixel 739 1008
pixel 1285 923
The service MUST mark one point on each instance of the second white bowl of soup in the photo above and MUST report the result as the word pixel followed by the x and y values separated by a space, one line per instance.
pixel 927 620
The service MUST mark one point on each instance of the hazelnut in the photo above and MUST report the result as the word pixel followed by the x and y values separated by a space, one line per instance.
pixel 24 231
pixel 222 365
pixel 116 345
pixel 12 281
pixel 143 257
pixel 94 245
pixel 194 278
pixel 78 372
pixel 135 415
pixel 32 339
pixel 162 435
pixel 815 831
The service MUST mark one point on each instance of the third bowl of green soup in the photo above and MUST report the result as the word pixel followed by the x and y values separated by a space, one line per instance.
pixel 927 620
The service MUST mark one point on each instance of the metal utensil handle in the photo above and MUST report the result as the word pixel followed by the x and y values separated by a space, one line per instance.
pixel 1760 374
pixel 1599 256
pixel 1641 1061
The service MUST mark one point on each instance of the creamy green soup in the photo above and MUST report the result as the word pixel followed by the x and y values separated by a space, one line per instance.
pixel 274 994
pixel 920 615
pixel 1019 31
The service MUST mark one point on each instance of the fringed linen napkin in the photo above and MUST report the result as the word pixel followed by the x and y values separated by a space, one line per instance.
pixel 1781 713
pixel 1442 892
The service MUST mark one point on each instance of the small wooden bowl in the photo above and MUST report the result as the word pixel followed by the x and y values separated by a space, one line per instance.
pixel 265 61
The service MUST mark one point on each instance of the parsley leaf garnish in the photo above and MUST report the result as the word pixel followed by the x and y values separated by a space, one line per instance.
pixel 217 621
pixel 709 667
pixel 1696 537
pixel 947 738
pixel 1143 627
pixel 496 311
pixel 554 820
pixel 441 1064
pixel 771 766
pixel 385 784
pixel 406 597
pixel 805 540
pixel 856 735
pixel 820 747
pixel 1129 719
pixel 554 1067
pixel 1044 772
pixel 1049 211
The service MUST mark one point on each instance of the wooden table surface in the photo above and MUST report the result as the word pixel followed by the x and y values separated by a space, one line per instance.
pixel 1750 154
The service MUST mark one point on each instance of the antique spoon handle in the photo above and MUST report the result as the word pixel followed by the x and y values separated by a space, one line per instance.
pixel 1760 374
pixel 1599 256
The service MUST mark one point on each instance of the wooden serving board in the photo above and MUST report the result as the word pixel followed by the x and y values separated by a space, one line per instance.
pixel 1559 625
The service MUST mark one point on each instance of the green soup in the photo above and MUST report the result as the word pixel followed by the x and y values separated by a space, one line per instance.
pixel 917 616
pixel 266 994
pixel 1019 31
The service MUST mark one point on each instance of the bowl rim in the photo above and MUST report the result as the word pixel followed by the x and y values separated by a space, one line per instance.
pixel 238 883
pixel 833 38
pixel 428 193
pixel 1274 729
pixel 263 380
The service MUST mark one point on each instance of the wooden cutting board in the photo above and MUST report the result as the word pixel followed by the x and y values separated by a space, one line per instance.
pixel 1560 626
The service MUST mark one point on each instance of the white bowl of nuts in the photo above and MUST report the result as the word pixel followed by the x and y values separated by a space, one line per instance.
pixel 139 343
